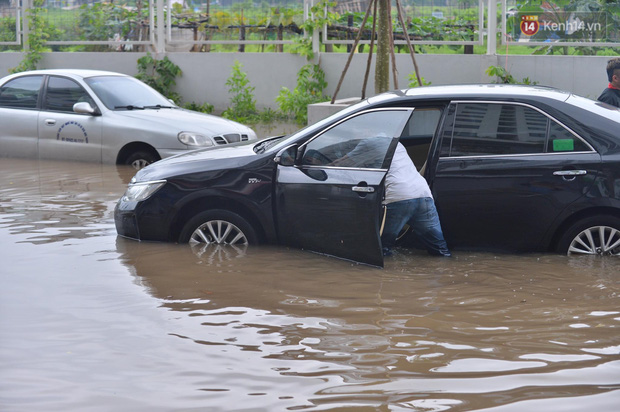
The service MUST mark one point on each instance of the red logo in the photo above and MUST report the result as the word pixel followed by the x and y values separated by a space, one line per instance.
pixel 529 25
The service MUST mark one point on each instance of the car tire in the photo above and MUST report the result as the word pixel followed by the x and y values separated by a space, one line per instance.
pixel 218 227
pixel 595 235
pixel 141 159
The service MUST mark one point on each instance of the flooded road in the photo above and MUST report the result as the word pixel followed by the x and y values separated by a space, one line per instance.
pixel 93 322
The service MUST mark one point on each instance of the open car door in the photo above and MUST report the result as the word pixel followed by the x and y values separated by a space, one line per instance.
pixel 329 189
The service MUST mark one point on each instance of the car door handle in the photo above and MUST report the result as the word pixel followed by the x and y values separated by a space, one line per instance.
pixel 50 122
pixel 570 173
pixel 363 189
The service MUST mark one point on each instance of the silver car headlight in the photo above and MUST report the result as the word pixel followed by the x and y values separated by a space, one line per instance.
pixel 137 192
pixel 195 139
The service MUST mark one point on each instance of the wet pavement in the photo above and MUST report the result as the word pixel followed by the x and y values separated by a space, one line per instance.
pixel 93 322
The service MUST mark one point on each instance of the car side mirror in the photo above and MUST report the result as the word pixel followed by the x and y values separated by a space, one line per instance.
pixel 85 108
pixel 286 156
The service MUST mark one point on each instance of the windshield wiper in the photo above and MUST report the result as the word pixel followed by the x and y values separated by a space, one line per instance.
pixel 129 107
pixel 159 106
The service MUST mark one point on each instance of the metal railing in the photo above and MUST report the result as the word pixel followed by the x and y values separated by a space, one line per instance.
pixel 200 29
pixel 12 11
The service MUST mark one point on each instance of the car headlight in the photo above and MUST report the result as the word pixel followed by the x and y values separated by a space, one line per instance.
pixel 137 192
pixel 195 139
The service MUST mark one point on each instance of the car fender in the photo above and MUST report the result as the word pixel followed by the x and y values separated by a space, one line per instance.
pixel 584 207
pixel 116 136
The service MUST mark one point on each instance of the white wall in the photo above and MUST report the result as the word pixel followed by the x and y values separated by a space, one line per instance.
pixel 205 74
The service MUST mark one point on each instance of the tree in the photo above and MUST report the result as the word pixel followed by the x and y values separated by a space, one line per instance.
pixel 384 45
pixel 383 15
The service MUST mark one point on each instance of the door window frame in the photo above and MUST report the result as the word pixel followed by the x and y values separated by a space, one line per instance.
pixel 43 98
pixel 450 130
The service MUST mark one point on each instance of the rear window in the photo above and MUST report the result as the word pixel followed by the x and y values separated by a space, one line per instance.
pixel 488 129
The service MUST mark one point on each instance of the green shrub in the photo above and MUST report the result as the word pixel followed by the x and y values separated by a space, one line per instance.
pixel 310 85
pixel 243 103
pixel 198 107
pixel 160 75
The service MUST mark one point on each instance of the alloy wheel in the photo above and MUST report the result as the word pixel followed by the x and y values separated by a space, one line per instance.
pixel 219 232
pixel 596 240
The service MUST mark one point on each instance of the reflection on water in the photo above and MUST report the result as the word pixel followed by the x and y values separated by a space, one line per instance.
pixel 90 321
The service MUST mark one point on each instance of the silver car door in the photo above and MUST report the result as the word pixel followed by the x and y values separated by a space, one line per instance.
pixel 64 134
pixel 18 116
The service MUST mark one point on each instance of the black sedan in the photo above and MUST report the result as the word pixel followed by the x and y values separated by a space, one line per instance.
pixel 511 168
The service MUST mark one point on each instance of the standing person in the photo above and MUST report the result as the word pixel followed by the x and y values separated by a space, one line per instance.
pixel 611 94
pixel 408 200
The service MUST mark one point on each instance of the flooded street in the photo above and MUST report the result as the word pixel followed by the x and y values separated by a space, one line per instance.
pixel 93 322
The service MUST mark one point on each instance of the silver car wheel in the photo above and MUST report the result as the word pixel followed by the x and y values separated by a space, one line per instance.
pixel 140 163
pixel 218 232
pixel 596 240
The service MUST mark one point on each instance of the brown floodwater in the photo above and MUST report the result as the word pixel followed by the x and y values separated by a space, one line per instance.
pixel 93 322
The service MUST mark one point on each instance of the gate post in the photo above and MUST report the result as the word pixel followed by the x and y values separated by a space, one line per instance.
pixel 492 27
pixel 24 6
pixel 160 40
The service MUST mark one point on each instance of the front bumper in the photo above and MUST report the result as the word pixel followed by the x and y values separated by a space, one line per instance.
pixel 126 222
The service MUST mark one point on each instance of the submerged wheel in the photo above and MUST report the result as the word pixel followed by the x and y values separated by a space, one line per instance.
pixel 597 235
pixel 141 159
pixel 218 227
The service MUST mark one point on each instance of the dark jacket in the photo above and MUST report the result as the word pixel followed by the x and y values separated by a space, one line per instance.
pixel 610 96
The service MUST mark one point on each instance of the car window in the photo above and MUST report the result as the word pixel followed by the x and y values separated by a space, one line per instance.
pixel 421 125
pixel 22 92
pixel 360 141
pixel 62 93
pixel 482 129
pixel 562 140
pixel 419 132
pixel 497 129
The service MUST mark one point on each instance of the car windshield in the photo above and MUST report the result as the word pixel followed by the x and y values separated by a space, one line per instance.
pixel 126 93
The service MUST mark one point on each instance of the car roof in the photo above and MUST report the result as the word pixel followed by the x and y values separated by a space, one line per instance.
pixel 475 91
pixel 75 73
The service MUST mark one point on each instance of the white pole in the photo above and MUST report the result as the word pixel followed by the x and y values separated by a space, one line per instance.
pixel 492 28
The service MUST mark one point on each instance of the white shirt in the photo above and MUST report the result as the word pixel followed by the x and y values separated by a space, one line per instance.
pixel 403 181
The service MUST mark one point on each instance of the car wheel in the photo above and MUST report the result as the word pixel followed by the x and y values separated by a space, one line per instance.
pixel 141 159
pixel 218 227
pixel 596 235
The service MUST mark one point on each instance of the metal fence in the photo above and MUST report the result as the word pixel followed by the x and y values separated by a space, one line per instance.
pixel 447 22
pixel 10 23
pixel 234 25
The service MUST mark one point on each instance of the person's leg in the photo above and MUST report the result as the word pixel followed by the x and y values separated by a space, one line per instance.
pixel 397 214
pixel 425 224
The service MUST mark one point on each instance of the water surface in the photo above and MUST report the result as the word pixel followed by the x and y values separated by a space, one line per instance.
pixel 93 322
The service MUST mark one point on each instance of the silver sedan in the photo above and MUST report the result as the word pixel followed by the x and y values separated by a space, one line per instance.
pixel 99 116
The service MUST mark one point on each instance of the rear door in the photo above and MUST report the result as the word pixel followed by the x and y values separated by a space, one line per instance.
pixel 64 134
pixel 330 201
pixel 18 116
pixel 504 174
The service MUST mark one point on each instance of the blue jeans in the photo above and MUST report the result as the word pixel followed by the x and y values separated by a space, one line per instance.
pixel 421 216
